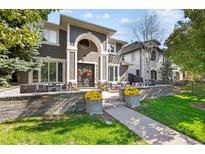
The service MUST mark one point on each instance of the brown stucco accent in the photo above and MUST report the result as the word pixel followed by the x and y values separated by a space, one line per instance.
pixel 55 51
pixel 76 31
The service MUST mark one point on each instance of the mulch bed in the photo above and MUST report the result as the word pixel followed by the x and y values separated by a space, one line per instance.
pixel 198 105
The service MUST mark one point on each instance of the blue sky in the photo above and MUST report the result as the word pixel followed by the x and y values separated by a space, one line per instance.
pixel 122 20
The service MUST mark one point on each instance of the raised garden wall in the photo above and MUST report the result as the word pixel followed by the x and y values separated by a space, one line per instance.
pixel 40 104
pixel 149 92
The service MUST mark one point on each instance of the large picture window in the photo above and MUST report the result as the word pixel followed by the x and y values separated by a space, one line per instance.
pixel 44 72
pixel 50 72
pixel 113 73
pixel 60 72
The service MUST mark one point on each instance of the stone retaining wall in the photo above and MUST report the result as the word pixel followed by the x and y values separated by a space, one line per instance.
pixel 34 105
pixel 150 92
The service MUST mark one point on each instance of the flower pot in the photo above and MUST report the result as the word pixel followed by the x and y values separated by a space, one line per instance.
pixel 132 101
pixel 94 107
pixel 121 95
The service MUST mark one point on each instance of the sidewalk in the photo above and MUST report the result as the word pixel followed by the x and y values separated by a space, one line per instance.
pixel 150 130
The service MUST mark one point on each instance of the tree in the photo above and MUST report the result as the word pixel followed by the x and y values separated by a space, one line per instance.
pixel 145 30
pixel 20 34
pixel 186 45
pixel 166 71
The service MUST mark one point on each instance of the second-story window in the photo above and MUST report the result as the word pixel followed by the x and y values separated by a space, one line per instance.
pixel 112 48
pixel 50 35
pixel 153 55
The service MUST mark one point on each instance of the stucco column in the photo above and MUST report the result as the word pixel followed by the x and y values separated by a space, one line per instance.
pixel 103 68
pixel 68 66
pixel 71 71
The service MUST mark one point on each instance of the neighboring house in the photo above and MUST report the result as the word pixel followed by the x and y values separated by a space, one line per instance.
pixel 139 62
pixel 78 52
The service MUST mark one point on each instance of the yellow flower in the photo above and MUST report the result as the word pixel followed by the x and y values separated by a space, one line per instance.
pixel 131 91
pixel 93 95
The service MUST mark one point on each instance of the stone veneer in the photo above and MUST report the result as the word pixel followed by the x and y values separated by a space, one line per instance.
pixel 40 104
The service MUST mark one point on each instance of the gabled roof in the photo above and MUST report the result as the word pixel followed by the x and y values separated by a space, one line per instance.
pixel 118 41
pixel 138 45
pixel 84 24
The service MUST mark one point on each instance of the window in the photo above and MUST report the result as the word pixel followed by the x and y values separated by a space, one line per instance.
pixel 112 48
pixel 138 73
pixel 44 72
pixel 153 75
pixel 153 55
pixel 50 35
pixel 52 72
pixel 113 73
pixel 60 72
pixel 35 76
pixel 133 56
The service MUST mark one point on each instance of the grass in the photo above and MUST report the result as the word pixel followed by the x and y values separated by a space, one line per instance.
pixel 176 112
pixel 80 129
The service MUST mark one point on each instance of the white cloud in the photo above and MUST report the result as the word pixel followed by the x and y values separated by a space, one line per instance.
pixel 88 15
pixel 128 21
pixel 106 16
pixel 66 11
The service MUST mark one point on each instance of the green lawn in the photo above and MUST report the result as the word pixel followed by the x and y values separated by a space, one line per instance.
pixel 176 112
pixel 68 129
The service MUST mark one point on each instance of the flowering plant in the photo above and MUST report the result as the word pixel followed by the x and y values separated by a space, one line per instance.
pixel 80 72
pixel 93 95
pixel 88 73
pixel 131 91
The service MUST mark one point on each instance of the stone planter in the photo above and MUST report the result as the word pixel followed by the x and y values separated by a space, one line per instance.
pixel 121 94
pixel 132 101
pixel 94 107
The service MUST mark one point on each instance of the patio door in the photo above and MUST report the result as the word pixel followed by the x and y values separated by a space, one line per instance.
pixel 86 75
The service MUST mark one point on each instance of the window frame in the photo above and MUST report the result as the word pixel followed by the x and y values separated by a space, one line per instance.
pixel 49 73
pixel 115 75
pixel 114 46
pixel 47 40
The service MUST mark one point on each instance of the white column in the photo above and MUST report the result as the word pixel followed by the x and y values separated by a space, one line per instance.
pixel 68 66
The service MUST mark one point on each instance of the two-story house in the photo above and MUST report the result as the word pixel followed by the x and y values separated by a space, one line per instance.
pixel 146 64
pixel 76 51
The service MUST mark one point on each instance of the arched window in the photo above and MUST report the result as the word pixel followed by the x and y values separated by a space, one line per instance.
pixel 153 75
pixel 153 55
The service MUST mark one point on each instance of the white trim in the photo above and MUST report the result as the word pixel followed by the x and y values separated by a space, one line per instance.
pixel 68 66
pixel 51 59
pixel 50 43
pixel 30 77
pixel 95 68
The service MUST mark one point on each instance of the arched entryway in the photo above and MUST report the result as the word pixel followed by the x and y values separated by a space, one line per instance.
pixel 88 63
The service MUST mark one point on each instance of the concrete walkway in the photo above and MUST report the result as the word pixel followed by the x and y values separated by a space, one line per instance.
pixel 150 130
